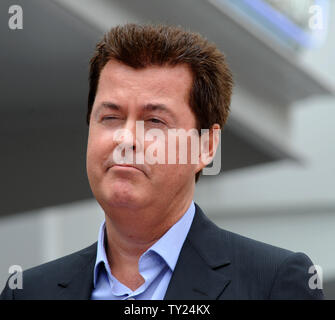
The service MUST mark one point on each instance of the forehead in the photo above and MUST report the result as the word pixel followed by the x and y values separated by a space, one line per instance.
pixel 173 82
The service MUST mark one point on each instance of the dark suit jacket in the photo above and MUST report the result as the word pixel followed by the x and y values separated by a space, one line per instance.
pixel 213 264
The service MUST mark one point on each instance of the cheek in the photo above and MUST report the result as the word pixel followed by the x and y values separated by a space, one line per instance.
pixel 99 147
pixel 171 178
pixel 183 150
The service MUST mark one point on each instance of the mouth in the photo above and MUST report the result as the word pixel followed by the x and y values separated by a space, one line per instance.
pixel 126 167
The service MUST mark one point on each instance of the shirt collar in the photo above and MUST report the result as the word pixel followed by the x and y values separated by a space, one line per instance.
pixel 168 246
pixel 101 253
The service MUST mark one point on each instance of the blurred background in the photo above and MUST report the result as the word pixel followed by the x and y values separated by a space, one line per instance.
pixel 277 179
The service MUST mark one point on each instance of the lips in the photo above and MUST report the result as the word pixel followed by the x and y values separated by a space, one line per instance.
pixel 124 166
pixel 127 166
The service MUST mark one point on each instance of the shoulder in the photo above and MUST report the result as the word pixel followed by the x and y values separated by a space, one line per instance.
pixel 207 236
pixel 272 272
pixel 244 249
pixel 61 266
pixel 48 274
pixel 258 269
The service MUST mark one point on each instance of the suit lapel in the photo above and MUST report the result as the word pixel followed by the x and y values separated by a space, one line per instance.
pixel 78 285
pixel 199 273
pixel 200 270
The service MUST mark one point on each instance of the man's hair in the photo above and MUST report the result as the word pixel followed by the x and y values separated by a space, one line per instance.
pixel 139 46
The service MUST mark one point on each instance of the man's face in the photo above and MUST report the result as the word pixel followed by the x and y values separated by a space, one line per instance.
pixel 158 96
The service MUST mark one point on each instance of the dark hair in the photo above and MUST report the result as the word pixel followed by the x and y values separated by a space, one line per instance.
pixel 139 46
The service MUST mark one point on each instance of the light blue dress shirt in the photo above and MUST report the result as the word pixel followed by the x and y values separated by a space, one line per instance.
pixel 156 265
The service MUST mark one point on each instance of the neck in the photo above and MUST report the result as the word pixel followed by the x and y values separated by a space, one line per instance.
pixel 131 232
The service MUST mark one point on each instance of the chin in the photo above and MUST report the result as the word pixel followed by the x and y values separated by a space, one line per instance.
pixel 123 195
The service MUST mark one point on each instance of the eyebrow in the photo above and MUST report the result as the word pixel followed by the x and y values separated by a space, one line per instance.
pixel 109 105
pixel 158 107
pixel 145 108
pixel 106 105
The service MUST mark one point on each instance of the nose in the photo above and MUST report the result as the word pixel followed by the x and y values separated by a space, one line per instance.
pixel 130 136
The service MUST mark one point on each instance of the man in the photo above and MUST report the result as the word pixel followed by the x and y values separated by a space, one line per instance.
pixel 156 243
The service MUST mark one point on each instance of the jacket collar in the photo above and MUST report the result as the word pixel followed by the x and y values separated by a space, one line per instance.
pixel 200 270
pixel 78 282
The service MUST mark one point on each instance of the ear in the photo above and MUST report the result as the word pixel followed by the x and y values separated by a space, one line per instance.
pixel 209 142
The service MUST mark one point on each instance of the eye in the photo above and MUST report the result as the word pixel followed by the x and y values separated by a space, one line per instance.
pixel 109 118
pixel 157 121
